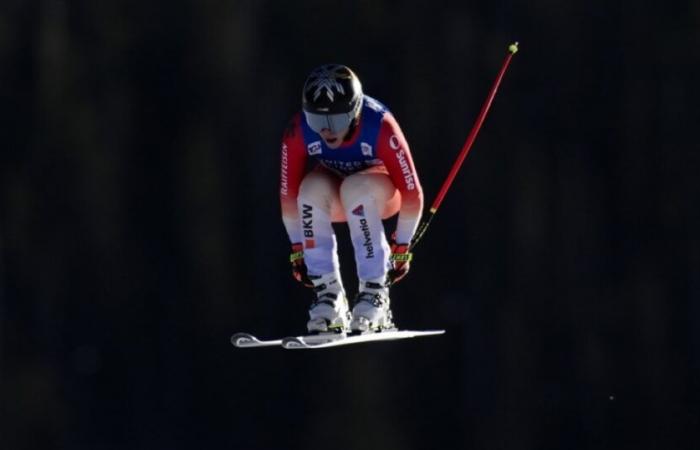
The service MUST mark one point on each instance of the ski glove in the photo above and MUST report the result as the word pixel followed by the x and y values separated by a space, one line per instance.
pixel 299 266
pixel 400 260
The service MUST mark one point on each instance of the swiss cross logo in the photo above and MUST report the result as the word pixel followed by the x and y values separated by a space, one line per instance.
pixel 359 211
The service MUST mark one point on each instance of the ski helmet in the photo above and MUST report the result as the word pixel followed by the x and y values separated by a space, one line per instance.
pixel 331 98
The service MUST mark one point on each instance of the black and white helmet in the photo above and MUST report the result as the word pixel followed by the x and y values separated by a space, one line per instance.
pixel 331 98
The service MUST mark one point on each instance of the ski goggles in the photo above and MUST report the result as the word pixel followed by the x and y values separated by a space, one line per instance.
pixel 333 122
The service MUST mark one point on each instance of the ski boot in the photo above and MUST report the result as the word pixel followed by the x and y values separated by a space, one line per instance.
pixel 371 311
pixel 329 313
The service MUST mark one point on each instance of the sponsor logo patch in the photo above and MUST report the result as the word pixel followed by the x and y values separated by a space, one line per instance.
pixel 394 142
pixel 367 244
pixel 314 148
pixel 307 221
pixel 406 171
pixel 284 179
pixel 359 211
pixel 366 149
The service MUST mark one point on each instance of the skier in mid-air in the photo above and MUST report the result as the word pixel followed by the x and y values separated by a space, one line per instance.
pixel 364 173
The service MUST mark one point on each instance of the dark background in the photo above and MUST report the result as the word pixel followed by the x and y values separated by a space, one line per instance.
pixel 140 227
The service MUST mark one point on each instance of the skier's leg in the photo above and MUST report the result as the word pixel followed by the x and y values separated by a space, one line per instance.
pixel 367 198
pixel 317 200
pixel 317 193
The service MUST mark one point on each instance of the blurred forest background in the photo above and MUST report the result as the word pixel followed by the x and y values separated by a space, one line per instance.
pixel 140 226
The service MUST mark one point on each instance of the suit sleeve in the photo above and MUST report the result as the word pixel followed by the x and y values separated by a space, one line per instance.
pixel 393 150
pixel 292 165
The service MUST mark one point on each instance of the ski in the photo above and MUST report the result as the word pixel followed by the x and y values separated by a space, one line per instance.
pixel 246 340
pixel 327 341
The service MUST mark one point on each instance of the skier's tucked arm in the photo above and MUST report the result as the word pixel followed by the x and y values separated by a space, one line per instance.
pixel 292 163
pixel 393 149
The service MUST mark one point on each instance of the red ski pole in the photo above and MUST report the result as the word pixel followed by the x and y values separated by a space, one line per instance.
pixel 427 218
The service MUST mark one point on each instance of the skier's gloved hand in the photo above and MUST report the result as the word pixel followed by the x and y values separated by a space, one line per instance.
pixel 400 262
pixel 299 266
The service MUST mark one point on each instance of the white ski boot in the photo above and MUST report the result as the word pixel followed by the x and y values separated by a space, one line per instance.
pixel 329 313
pixel 371 311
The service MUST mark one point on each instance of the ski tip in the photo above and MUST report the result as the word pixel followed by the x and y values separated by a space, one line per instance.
pixel 246 340
pixel 241 339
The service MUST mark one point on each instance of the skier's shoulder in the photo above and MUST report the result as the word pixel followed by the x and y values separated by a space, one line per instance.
pixel 379 112
pixel 372 104
pixel 390 137
pixel 293 136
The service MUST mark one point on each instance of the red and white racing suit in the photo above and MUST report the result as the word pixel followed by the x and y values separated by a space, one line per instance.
pixel 370 177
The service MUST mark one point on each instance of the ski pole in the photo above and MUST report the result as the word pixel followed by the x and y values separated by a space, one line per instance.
pixel 427 218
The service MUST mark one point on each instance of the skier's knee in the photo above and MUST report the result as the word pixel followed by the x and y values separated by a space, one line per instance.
pixel 361 187
pixel 314 185
pixel 354 188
